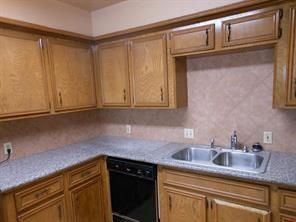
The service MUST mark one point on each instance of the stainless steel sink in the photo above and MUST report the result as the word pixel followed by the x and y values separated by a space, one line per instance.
pixel 194 154
pixel 225 158
pixel 250 162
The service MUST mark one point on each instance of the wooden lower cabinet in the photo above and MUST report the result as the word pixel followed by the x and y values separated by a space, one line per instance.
pixel 189 197
pixel 51 211
pixel 183 206
pixel 86 202
pixel 54 199
pixel 223 211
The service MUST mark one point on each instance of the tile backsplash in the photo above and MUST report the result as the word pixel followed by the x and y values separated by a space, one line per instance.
pixel 225 93
pixel 40 134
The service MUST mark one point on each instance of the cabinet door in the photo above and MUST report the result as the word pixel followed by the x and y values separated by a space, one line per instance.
pixel 183 206
pixel 148 68
pixel 258 27
pixel 113 65
pixel 193 40
pixel 72 75
pixel 292 59
pixel 23 81
pixel 229 212
pixel 86 202
pixel 53 210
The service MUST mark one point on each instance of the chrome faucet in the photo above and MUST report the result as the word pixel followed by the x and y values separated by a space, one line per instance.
pixel 233 141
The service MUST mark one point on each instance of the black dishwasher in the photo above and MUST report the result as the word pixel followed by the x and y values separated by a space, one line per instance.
pixel 133 187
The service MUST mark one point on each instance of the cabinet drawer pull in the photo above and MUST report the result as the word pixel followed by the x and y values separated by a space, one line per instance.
pixel 60 98
pixel 207 37
pixel 229 32
pixel 60 212
pixel 161 94
pixel 41 193
pixel 124 95
pixel 85 174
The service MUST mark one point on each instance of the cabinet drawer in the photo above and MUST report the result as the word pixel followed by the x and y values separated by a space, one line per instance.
pixel 287 218
pixel 38 192
pixel 83 173
pixel 251 193
pixel 192 40
pixel 254 28
pixel 288 200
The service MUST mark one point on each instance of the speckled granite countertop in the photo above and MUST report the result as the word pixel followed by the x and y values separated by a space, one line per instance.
pixel 281 168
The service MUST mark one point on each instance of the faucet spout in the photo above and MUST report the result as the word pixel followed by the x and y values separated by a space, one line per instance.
pixel 233 140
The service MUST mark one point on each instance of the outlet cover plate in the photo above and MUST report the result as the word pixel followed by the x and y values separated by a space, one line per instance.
pixel 267 137
pixel 188 133
pixel 7 146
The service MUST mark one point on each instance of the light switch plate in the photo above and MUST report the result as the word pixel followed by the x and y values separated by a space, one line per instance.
pixel 188 133
pixel 267 137
pixel 128 129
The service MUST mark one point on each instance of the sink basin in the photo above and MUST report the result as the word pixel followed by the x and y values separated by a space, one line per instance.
pixel 225 158
pixel 194 154
pixel 239 160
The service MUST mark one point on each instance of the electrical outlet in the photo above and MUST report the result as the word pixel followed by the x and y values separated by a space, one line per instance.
pixel 188 133
pixel 7 146
pixel 267 137
pixel 128 129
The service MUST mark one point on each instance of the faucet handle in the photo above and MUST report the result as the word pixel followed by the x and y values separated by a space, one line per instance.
pixel 212 143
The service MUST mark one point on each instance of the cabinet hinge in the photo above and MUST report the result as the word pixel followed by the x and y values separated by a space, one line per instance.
pixel 281 13
pixel 280 33
pixel 207 204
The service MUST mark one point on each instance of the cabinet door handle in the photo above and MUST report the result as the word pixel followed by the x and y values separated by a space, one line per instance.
pixel 258 220
pixel 61 98
pixel 40 43
pixel 170 202
pixel 161 94
pixel 124 95
pixel 60 211
pixel 77 203
pixel 207 37
pixel 229 32
pixel 295 87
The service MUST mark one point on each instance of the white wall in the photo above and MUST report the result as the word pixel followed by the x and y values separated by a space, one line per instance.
pixel 127 14
pixel 50 13
pixel 133 13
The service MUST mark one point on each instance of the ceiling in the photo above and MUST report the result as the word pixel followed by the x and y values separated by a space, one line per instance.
pixel 91 5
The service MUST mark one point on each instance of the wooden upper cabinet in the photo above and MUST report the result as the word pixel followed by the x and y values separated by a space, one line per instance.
pixel 292 59
pixel 191 40
pixel 183 206
pixel 230 212
pixel 86 202
pixel 73 81
pixel 53 210
pixel 23 80
pixel 114 76
pixel 257 27
pixel 148 69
